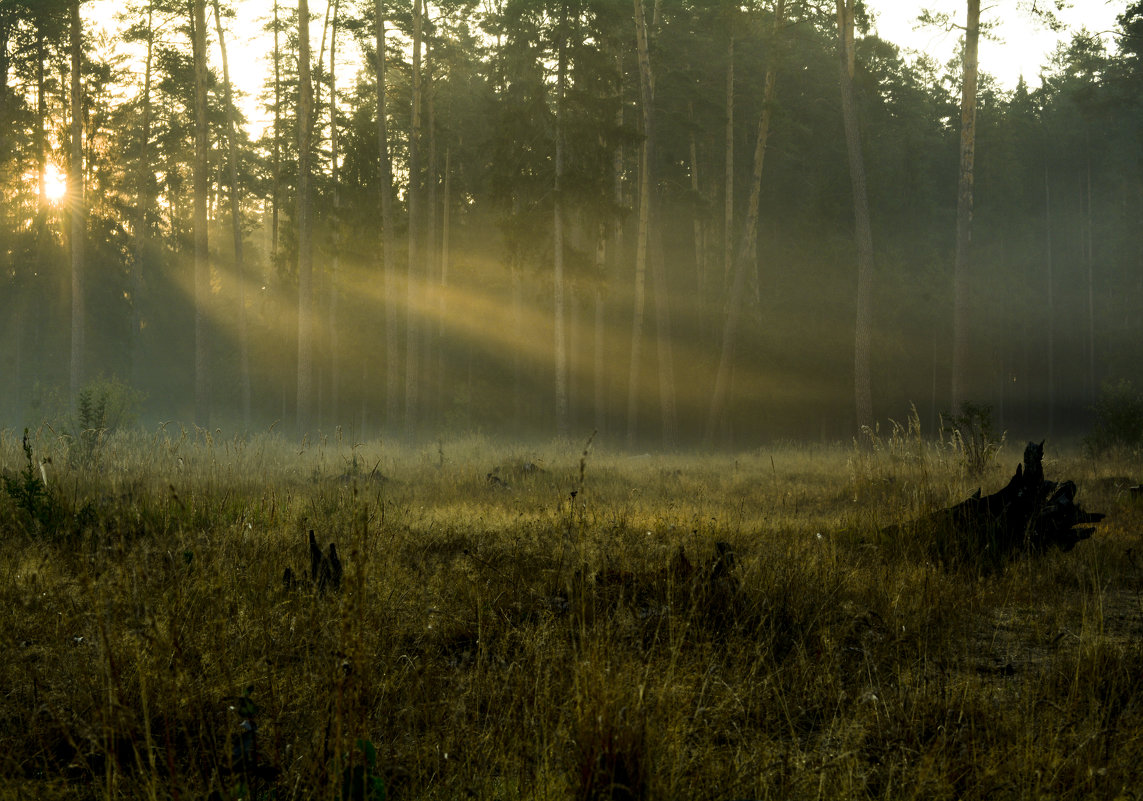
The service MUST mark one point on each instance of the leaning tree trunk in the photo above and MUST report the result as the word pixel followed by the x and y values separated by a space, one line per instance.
pixel 76 208
pixel 201 241
pixel 305 209
pixel 962 264
pixel 749 239
pixel 235 223
pixel 863 395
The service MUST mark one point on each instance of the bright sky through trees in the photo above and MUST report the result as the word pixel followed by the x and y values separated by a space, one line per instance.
pixel 1018 45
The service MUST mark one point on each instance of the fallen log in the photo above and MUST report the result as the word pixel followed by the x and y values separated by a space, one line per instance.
pixel 1029 515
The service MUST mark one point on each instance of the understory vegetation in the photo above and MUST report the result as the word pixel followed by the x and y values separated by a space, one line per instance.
pixel 554 622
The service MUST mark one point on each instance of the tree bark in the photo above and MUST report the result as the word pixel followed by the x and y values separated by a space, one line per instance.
pixel 963 262
pixel 304 409
pixel 863 395
pixel 749 240
pixel 201 240
pixel 76 209
pixel 235 222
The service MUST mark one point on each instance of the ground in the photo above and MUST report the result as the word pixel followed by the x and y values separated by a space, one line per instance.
pixel 552 621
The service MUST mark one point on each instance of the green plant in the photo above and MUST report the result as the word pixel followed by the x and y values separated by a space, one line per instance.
pixel 29 490
pixel 1118 419
pixel 971 435
pixel 101 406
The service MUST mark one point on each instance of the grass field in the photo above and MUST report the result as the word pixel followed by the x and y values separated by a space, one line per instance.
pixel 521 623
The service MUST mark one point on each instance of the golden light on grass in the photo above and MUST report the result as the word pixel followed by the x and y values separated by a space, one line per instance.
pixel 482 630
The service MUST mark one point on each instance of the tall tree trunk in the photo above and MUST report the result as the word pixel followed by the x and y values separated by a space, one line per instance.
pixel 963 263
pixel 335 260
pixel 697 221
pixel 201 240
pixel 560 330
pixel 389 262
pixel 430 388
pixel 747 249
pixel 41 133
pixel 412 330
pixel 442 295
pixel 276 178
pixel 653 244
pixel 145 199
pixel 76 208
pixel 863 395
pixel 1089 263
pixel 638 312
pixel 647 193
pixel 728 183
pixel 1051 304
pixel 235 222
pixel 305 209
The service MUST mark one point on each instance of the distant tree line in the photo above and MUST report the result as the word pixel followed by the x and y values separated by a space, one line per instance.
pixel 667 220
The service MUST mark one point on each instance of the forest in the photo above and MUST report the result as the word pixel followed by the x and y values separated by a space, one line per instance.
pixel 671 222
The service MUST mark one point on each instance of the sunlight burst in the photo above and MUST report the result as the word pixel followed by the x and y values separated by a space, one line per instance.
pixel 55 184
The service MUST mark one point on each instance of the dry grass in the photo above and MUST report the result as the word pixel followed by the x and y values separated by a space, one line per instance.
pixel 506 639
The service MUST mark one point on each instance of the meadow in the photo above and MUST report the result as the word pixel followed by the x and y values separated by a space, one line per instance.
pixel 557 621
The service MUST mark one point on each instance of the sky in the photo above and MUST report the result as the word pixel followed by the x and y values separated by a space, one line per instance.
pixel 1020 47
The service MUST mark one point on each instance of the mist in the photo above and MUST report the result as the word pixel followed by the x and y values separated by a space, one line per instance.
pixel 528 282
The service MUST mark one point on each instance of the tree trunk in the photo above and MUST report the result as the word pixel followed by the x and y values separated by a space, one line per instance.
pixel 430 388
pixel 389 262
pixel 76 209
pixel 412 329
pixel 1089 263
pixel 201 240
pixel 728 185
pixel 697 221
pixel 749 240
pixel 963 262
pixel 276 178
pixel 561 355
pixel 442 294
pixel 145 200
pixel 863 395
pixel 335 260
pixel 1051 332
pixel 304 409
pixel 235 223
pixel 648 241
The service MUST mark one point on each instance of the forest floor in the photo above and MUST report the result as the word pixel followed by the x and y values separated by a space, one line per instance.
pixel 551 622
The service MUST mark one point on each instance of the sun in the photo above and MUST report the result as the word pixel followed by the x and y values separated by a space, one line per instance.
pixel 55 184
